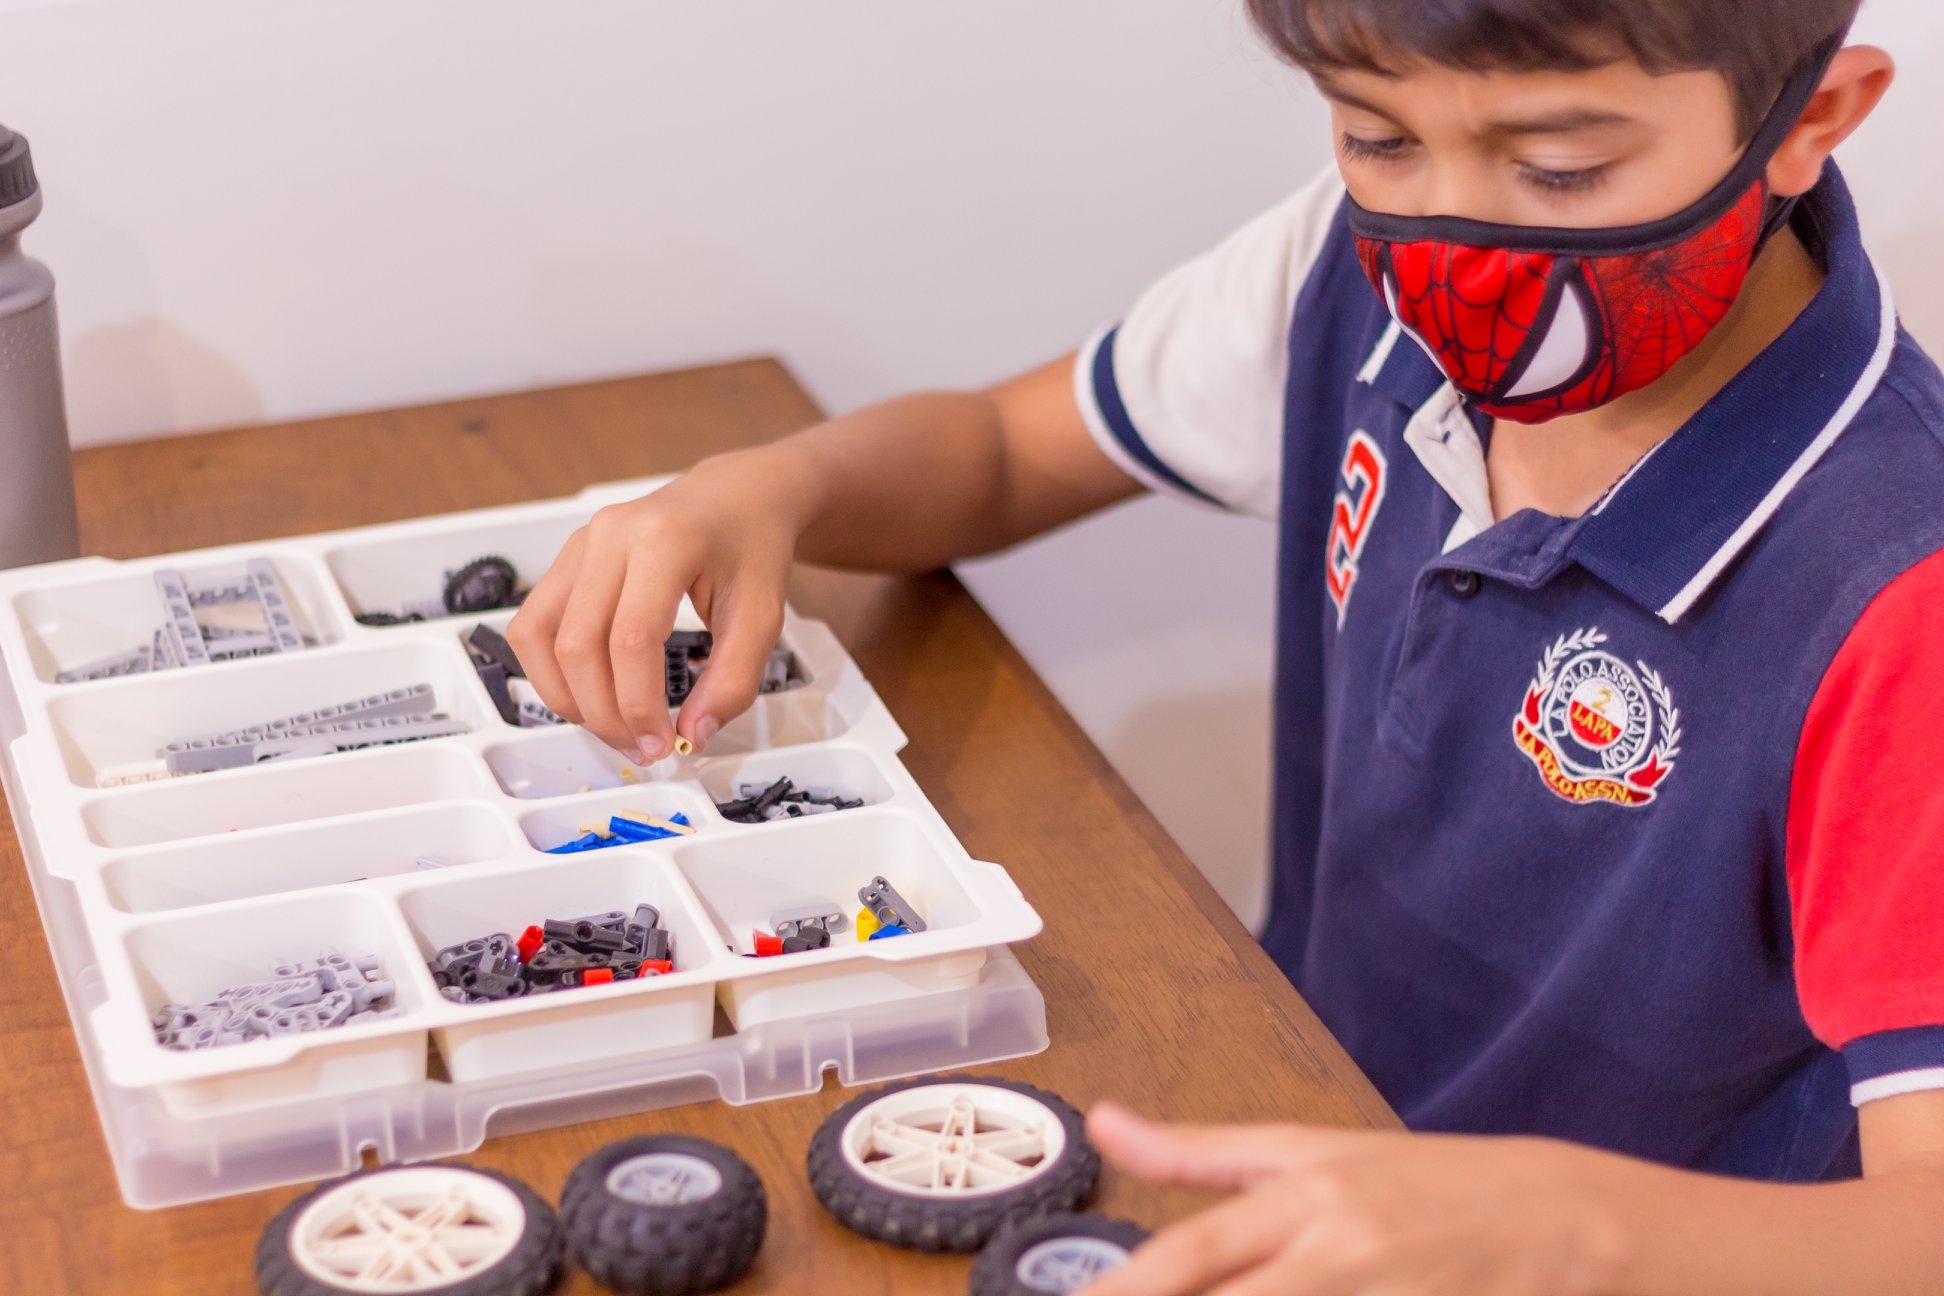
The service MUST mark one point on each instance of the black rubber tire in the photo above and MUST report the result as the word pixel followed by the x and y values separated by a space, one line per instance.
pixel 528 1270
pixel 918 1223
pixel 482 585
pixel 996 1271
pixel 680 1250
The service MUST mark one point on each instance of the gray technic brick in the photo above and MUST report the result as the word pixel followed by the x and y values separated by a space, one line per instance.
pixel 535 715
pixel 135 662
pixel 883 900
pixel 284 992
pixel 354 736
pixel 162 655
pixel 277 617
pixel 416 700
pixel 232 646
pixel 791 921
pixel 180 627
pixel 215 593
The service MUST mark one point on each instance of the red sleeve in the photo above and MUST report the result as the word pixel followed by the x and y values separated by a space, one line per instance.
pixel 1866 822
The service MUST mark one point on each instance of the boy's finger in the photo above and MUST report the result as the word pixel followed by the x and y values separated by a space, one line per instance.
pixel 746 630
pixel 1201 1250
pixel 582 645
pixel 1204 1156
pixel 637 643
pixel 536 625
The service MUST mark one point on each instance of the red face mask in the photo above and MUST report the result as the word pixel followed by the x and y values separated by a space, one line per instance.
pixel 1531 323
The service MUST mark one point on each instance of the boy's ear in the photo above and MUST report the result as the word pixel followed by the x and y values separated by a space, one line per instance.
pixel 1856 81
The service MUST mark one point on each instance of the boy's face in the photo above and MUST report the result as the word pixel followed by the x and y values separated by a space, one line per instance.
pixel 1612 146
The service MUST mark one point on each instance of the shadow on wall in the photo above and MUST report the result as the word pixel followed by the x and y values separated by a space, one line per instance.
pixel 129 380
pixel 1190 742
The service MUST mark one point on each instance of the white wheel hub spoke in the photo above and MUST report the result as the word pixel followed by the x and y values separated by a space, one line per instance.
pixel 1061 1265
pixel 953 1140
pixel 664 1179
pixel 407 1230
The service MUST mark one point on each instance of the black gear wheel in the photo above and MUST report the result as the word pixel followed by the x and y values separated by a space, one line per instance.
pixel 931 1223
pixel 647 1234
pixel 1053 1255
pixel 528 1270
pixel 482 585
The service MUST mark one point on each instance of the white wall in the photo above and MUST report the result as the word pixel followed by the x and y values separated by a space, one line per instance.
pixel 262 212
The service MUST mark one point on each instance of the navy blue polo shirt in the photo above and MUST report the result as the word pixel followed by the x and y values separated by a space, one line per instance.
pixel 1617 827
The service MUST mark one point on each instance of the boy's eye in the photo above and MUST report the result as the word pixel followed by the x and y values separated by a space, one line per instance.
pixel 1373 150
pixel 1562 181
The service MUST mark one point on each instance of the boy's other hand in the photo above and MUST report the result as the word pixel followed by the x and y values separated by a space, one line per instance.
pixel 591 634
pixel 1331 1212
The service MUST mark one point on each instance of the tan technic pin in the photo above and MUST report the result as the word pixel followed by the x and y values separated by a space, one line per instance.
pixel 683 746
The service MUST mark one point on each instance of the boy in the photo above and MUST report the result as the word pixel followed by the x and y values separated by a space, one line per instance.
pixel 1609 499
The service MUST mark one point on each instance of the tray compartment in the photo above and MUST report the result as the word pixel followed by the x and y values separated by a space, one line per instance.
pixel 852 772
pixel 121 723
pixel 242 865
pixel 742 878
pixel 560 823
pixel 210 804
pixel 566 1027
pixel 388 575
pixel 561 761
pixel 189 957
pixel 68 626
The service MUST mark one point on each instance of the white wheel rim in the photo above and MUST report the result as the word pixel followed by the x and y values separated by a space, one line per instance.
pixel 953 1140
pixel 664 1179
pixel 410 1230
pixel 1061 1265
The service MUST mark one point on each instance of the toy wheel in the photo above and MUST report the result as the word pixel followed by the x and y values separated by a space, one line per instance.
pixel 482 585
pixel 1053 1255
pixel 449 1229
pixel 942 1165
pixel 664 1215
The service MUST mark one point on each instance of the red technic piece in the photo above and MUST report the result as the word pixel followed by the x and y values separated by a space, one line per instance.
pixel 597 976
pixel 766 945
pixel 660 966
pixel 530 940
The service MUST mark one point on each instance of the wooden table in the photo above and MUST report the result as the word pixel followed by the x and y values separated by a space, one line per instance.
pixel 1155 994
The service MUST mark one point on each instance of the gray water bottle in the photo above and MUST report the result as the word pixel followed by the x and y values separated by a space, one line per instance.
pixel 36 476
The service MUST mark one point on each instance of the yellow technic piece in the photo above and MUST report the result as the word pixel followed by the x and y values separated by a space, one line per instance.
pixel 683 746
pixel 866 924
pixel 628 774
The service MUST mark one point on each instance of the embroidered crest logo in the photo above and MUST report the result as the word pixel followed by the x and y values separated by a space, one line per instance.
pixel 1596 728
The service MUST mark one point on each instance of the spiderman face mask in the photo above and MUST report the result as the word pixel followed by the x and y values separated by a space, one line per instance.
pixel 1532 323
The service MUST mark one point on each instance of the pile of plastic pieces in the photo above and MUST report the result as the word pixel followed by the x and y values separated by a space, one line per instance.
pixel 623 828
pixel 764 802
pixel 325 993
pixel 558 954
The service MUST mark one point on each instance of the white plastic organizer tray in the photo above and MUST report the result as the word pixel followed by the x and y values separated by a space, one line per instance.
pixel 173 889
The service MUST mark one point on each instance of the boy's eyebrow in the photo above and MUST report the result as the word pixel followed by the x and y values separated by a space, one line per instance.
pixel 1563 122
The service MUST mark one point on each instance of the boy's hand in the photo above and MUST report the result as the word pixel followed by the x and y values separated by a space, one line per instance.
pixel 591 633
pixel 1327 1212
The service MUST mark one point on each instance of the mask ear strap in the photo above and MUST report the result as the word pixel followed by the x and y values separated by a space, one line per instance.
pixel 1781 119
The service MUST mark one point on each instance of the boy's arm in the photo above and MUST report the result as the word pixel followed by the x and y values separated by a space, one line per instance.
pixel 908 485
pixel 1323 1212
pixel 920 482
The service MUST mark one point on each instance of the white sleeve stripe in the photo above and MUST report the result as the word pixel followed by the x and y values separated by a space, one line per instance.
pixel 1896 1084
pixel 1088 397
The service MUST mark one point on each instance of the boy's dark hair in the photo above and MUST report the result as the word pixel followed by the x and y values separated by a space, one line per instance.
pixel 1755 46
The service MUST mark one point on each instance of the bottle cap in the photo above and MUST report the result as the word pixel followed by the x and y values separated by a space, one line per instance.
pixel 17 183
